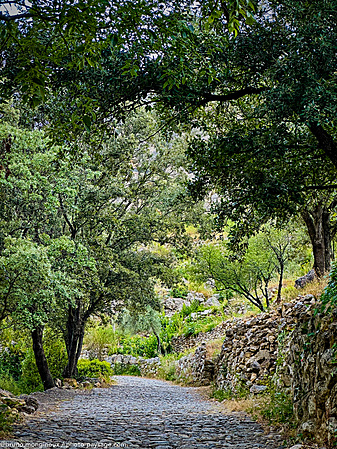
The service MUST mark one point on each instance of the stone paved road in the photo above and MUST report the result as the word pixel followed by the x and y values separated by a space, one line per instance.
pixel 141 413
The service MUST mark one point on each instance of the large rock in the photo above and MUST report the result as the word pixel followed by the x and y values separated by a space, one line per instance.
pixel 174 305
pixel 213 301
pixel 304 280
pixel 195 296
pixel 31 404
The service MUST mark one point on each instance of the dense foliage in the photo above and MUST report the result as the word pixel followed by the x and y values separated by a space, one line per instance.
pixel 108 111
pixel 75 233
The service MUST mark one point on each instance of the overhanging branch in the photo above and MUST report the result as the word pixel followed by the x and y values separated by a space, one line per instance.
pixel 207 98
pixel 326 141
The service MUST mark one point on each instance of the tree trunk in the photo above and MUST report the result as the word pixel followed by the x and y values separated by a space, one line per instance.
pixel 40 358
pixel 327 240
pixel 326 141
pixel 279 291
pixel 317 221
pixel 158 343
pixel 73 340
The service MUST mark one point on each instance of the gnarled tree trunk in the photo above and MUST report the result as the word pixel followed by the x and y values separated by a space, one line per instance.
pixel 317 221
pixel 40 358
pixel 73 340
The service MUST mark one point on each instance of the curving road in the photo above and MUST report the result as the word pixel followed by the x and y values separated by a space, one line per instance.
pixel 141 413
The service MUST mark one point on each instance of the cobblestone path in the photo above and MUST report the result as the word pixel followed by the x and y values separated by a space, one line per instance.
pixel 141 413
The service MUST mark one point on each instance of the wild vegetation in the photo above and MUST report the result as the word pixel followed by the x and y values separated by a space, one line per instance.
pixel 152 149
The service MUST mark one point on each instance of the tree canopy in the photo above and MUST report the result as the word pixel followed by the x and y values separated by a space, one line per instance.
pixel 92 220
pixel 90 177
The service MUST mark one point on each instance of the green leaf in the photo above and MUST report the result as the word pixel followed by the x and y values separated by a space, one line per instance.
pixel 87 122
pixel 114 40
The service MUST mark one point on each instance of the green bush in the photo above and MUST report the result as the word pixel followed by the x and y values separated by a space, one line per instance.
pixel 57 359
pixel 94 368
pixel 279 408
pixel 221 395
pixel 8 383
pixel 10 362
pixel 99 339
pixel 190 330
pixel 30 380
pixel 6 420
pixel 140 346
pixel 120 369
pixel 179 292
pixel 329 296
pixel 241 392
pixel 194 307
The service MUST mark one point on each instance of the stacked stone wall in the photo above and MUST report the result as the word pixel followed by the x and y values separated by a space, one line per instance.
pixel 308 370
pixel 195 369
pixel 250 350
pixel 147 367
pixel 293 346
pixel 182 343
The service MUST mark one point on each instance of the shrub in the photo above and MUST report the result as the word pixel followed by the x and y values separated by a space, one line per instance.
pixel 120 369
pixel 10 362
pixel 194 307
pixel 57 359
pixel 221 395
pixel 140 346
pixel 99 339
pixel 94 368
pixel 56 355
pixel 241 392
pixel 190 330
pixel 179 292
pixel 8 383
pixel 30 380
pixel 278 408
pixel 7 419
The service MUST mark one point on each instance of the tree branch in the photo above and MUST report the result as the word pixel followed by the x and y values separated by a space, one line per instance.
pixel 326 142
pixel 14 17
pixel 231 96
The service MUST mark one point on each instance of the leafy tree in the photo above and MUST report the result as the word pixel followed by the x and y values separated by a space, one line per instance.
pixel 149 321
pixel 248 275
pixel 95 217
pixel 260 176
pixel 257 103
pixel 266 140
pixel 41 37
pixel 26 295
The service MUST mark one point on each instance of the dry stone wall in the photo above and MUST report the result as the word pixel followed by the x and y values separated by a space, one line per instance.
pixel 147 367
pixel 250 350
pixel 308 370
pixel 195 369
pixel 293 345
pixel 182 343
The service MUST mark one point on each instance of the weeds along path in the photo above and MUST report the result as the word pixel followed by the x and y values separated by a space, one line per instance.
pixel 141 413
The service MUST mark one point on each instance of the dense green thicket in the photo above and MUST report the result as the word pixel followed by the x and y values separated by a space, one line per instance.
pixel 75 234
